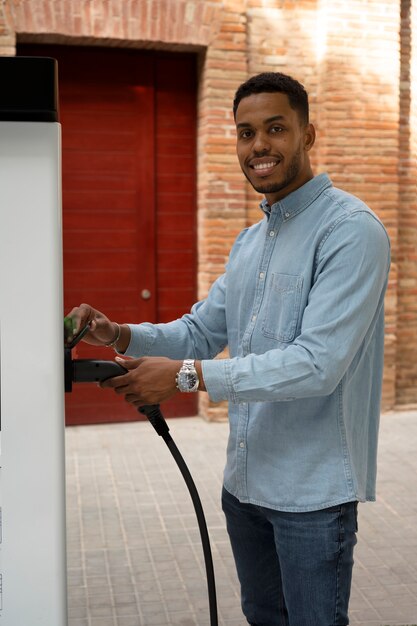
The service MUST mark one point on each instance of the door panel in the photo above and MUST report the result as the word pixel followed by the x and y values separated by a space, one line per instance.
pixel 128 170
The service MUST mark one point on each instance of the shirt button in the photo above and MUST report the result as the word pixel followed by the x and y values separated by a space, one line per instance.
pixel 271 233
pixel 242 444
pixel 253 318
pixel 287 214
pixel 261 275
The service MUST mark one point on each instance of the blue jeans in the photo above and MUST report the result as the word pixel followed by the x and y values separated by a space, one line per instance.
pixel 295 569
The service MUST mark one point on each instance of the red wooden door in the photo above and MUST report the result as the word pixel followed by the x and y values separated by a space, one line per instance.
pixel 128 172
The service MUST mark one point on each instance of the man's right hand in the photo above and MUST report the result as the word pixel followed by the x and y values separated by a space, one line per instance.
pixel 102 330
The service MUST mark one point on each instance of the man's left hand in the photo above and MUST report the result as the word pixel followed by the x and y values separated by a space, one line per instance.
pixel 149 380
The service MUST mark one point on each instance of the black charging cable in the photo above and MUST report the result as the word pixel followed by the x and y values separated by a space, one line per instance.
pixel 154 415
pixel 88 370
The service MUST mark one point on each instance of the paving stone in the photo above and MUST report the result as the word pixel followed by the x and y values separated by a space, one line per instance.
pixel 134 551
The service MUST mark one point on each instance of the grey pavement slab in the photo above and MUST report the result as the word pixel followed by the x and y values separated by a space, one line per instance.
pixel 134 551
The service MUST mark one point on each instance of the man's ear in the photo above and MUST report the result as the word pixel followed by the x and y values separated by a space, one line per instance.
pixel 309 137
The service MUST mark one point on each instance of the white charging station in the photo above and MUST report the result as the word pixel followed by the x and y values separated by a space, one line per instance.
pixel 32 475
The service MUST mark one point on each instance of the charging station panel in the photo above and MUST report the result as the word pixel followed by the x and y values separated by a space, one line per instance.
pixel 32 475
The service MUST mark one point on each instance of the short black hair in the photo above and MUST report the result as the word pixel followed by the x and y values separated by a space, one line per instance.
pixel 275 82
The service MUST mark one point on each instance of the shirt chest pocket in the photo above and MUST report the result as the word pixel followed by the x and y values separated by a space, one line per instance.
pixel 282 308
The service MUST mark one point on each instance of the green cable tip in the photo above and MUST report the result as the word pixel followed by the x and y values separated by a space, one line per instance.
pixel 69 322
pixel 68 327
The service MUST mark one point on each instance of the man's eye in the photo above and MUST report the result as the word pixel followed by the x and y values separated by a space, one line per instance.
pixel 245 134
pixel 276 129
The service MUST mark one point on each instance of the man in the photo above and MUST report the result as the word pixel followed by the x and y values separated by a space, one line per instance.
pixel 300 307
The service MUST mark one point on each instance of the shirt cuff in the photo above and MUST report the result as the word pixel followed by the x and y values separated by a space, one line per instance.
pixel 217 377
pixel 141 339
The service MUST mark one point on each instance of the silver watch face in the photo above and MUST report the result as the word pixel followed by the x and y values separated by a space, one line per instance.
pixel 187 381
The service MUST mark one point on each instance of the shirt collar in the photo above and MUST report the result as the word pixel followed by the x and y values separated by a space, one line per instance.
pixel 299 199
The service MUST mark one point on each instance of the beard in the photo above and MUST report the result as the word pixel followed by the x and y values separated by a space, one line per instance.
pixel 290 174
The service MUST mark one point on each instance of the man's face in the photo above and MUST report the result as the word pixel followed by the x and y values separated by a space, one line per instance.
pixel 272 145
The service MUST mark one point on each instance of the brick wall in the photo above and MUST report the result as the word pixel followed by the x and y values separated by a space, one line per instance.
pixel 221 193
pixel 358 116
pixel 348 55
pixel 406 371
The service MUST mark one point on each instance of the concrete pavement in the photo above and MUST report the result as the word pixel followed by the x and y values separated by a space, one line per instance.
pixel 134 552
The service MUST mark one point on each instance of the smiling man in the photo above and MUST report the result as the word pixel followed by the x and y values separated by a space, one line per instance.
pixel 300 307
pixel 273 147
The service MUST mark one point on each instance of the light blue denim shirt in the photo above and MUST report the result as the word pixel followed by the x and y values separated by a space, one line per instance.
pixel 300 307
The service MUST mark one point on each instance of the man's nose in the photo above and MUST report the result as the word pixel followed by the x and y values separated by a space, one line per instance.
pixel 261 143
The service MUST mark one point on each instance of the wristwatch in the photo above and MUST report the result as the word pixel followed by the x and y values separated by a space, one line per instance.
pixel 187 378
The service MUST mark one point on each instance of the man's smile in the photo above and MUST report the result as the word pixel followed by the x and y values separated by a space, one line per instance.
pixel 264 166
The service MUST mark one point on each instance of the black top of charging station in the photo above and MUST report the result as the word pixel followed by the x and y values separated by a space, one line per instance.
pixel 28 89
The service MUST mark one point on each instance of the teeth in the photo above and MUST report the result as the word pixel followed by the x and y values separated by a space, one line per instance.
pixel 263 166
